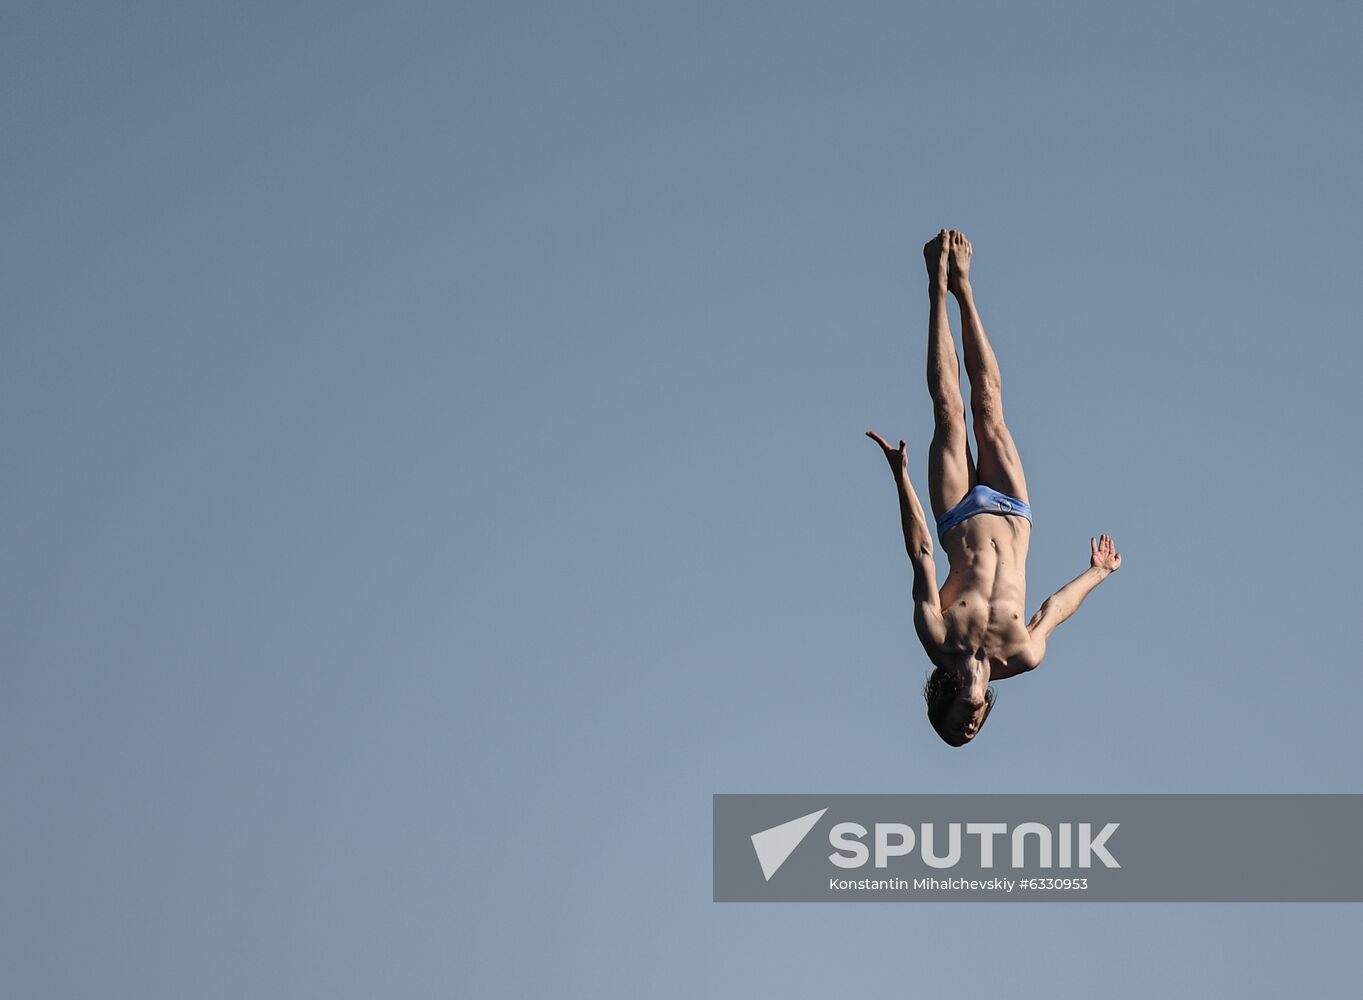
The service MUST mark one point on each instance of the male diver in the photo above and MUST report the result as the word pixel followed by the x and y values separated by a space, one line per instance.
pixel 972 627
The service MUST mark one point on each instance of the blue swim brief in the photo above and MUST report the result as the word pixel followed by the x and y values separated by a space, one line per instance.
pixel 982 500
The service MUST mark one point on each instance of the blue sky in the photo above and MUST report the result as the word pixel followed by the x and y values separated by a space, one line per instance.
pixel 435 469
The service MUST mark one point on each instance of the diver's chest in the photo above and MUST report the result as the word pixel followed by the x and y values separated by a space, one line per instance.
pixel 972 621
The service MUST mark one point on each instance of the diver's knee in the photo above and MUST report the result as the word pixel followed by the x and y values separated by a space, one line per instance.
pixel 986 404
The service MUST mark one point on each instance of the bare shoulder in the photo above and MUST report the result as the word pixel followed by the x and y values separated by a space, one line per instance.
pixel 1026 657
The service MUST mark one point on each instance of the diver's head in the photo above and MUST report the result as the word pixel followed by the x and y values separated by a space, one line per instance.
pixel 957 707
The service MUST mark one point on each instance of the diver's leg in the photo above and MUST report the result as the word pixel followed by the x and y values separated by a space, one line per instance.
pixel 1000 466
pixel 949 464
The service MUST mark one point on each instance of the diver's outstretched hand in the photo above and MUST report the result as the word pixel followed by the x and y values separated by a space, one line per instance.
pixel 1103 554
pixel 897 457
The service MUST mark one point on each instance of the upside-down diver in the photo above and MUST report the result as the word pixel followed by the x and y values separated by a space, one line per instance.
pixel 972 627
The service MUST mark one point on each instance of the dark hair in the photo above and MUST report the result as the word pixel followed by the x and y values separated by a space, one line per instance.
pixel 945 686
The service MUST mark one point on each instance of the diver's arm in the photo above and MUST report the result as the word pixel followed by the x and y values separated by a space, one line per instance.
pixel 1104 560
pixel 927 608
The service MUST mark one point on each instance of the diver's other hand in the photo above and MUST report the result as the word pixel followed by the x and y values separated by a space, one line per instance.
pixel 897 457
pixel 1103 554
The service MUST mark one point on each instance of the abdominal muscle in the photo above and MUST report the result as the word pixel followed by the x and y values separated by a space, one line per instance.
pixel 983 596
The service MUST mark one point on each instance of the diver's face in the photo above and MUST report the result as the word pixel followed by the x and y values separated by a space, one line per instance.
pixel 962 719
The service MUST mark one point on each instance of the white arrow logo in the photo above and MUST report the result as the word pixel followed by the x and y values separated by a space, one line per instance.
pixel 775 845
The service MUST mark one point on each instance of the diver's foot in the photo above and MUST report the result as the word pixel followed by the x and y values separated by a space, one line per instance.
pixel 935 252
pixel 958 254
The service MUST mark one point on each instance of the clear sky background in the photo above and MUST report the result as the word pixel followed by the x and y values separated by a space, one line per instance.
pixel 433 455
